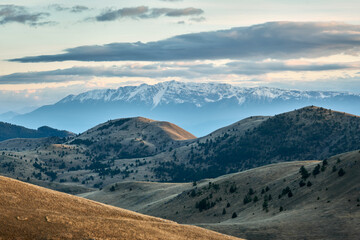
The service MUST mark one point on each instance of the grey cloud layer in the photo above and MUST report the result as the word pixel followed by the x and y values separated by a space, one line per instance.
pixel 146 12
pixel 19 14
pixel 278 40
pixel 74 9
pixel 165 70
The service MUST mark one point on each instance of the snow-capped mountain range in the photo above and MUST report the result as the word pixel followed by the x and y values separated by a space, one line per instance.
pixel 198 107
pixel 199 94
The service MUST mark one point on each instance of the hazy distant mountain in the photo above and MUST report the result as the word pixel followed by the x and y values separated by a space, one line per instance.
pixel 5 117
pixel 9 131
pixel 197 107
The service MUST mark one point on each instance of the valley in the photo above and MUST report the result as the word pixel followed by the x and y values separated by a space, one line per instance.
pixel 246 179
pixel 277 201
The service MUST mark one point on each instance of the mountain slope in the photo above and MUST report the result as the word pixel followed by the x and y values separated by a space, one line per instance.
pixel 31 212
pixel 198 107
pixel 132 137
pixel 307 133
pixel 8 131
pixel 282 203
pixel 146 150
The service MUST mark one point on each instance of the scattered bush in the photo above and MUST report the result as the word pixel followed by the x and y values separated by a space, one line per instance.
pixel 316 170
pixel 232 189
pixel 304 173
pixel 341 172
pixel 247 199
pixel 302 183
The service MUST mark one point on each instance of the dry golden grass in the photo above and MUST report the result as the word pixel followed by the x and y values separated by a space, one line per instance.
pixel 32 212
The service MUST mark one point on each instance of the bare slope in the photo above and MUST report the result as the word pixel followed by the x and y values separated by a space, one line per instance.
pixel 270 202
pixel 31 212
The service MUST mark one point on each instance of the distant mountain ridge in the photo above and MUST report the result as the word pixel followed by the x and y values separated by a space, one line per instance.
pixel 197 107
pixel 9 131
pixel 199 94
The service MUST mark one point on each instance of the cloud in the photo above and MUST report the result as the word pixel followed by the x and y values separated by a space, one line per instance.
pixel 183 12
pixel 74 9
pixel 143 12
pixel 111 15
pixel 276 40
pixel 20 14
pixel 189 70
pixel 198 19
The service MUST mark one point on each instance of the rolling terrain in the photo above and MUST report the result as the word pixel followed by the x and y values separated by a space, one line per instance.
pixel 32 212
pixel 277 201
pixel 308 133
pixel 146 150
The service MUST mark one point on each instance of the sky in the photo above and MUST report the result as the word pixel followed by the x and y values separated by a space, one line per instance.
pixel 50 49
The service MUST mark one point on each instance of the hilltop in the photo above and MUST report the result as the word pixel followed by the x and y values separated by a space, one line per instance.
pixel 31 212
pixel 276 201
pixel 308 133
pixel 132 137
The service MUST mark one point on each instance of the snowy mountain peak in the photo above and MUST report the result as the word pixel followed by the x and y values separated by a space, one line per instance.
pixel 198 94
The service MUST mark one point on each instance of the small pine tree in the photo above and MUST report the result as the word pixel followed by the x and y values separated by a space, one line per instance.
pixel 232 189
pixel 247 199
pixel 341 172
pixel 256 199
pixel 309 184
pixel 265 205
pixel 112 189
pixel 316 170
pixel 302 183
pixel 234 215
pixel 281 209
pixel 224 211
pixel 290 194
pixel 334 169
pixel 304 173
pixel 228 205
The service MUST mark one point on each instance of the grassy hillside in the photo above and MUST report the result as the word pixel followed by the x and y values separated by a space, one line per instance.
pixel 147 150
pixel 305 134
pixel 132 138
pixel 31 212
pixel 270 202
